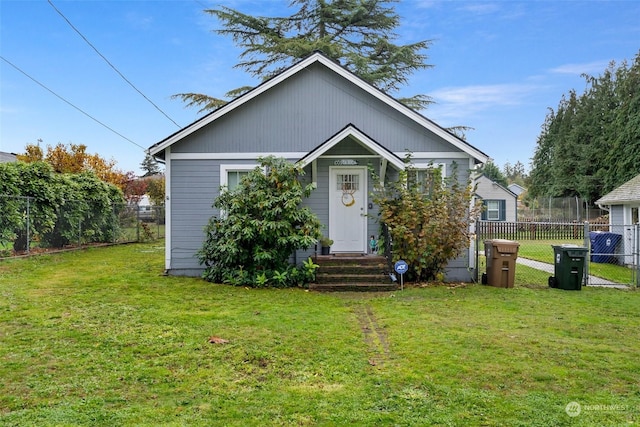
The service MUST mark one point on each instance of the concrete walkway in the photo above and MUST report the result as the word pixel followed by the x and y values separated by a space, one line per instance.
pixel 549 268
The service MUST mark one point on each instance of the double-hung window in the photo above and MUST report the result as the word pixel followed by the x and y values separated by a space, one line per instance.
pixel 424 173
pixel 494 210
pixel 231 175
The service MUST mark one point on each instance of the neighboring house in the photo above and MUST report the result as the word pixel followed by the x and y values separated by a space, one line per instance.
pixel 499 203
pixel 623 204
pixel 516 189
pixel 334 124
pixel 7 157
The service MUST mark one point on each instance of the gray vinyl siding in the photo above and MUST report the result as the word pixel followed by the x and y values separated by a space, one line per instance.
pixel 305 111
pixel 616 215
pixel 194 185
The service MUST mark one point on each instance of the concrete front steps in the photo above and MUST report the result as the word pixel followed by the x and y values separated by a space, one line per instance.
pixel 352 272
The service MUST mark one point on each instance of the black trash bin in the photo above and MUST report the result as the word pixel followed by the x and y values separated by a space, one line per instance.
pixel 603 246
pixel 568 267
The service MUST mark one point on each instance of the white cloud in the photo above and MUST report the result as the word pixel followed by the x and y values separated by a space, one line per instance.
pixel 138 21
pixel 480 8
pixel 595 67
pixel 460 102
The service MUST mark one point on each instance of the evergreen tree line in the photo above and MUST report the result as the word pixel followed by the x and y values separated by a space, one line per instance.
pixel 591 143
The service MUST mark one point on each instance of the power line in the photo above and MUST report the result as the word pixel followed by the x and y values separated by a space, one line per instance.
pixel 111 65
pixel 64 100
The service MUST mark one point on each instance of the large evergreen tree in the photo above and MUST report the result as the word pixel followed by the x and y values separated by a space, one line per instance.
pixel 359 34
pixel 590 144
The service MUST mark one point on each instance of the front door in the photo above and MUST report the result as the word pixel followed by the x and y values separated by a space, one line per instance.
pixel 347 201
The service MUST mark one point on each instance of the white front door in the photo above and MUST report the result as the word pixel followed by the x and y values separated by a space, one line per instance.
pixel 347 214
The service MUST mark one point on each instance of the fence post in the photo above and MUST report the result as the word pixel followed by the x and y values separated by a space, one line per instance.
pixel 28 226
pixel 587 259
pixel 637 252
pixel 138 222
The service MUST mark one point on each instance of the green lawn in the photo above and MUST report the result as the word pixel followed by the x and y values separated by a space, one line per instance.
pixel 100 337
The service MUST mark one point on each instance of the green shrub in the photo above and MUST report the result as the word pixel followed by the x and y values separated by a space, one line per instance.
pixel 428 219
pixel 62 208
pixel 261 225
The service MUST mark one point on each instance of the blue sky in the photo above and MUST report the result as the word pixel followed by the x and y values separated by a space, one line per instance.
pixel 498 66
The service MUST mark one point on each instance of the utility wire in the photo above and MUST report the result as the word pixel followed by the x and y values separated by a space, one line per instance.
pixel 64 100
pixel 111 65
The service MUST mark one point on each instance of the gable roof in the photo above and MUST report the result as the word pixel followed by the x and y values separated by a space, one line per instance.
pixel 318 57
pixel 362 138
pixel 7 157
pixel 516 189
pixel 627 192
pixel 492 182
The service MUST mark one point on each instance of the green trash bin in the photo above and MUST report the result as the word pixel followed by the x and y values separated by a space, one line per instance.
pixel 568 267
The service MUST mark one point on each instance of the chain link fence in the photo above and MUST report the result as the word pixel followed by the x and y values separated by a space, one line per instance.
pixel 29 226
pixel 558 209
pixel 612 256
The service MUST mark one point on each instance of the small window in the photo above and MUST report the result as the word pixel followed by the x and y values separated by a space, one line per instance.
pixel 494 210
pixel 231 175
pixel 348 182
pixel 424 175
pixel 234 178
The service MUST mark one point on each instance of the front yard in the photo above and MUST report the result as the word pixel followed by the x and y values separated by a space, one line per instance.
pixel 100 337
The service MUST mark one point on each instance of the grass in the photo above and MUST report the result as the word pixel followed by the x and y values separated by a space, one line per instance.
pixel 99 337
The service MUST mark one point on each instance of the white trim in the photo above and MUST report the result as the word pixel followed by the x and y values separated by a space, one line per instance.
pixel 349 156
pixel 435 155
pixel 234 156
pixel 314 174
pixel 362 139
pixel 425 166
pixel 167 210
pixel 348 75
pixel 299 154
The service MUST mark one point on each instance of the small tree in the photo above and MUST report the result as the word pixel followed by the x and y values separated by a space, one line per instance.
pixel 73 158
pixel 428 219
pixel 156 191
pixel 260 226
pixel 150 166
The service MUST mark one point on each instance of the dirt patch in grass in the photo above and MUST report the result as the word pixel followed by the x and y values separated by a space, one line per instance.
pixel 375 336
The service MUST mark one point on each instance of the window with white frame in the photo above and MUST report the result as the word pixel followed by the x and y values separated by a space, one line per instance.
pixel 494 210
pixel 231 175
pixel 423 174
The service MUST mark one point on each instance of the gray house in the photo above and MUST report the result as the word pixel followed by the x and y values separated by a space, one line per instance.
pixel 333 123
pixel 623 204
pixel 500 203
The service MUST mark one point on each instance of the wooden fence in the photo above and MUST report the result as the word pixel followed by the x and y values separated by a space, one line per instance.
pixel 535 230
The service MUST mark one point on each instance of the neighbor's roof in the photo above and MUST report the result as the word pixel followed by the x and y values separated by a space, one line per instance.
pixel 627 192
pixel 318 57
pixel 7 157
